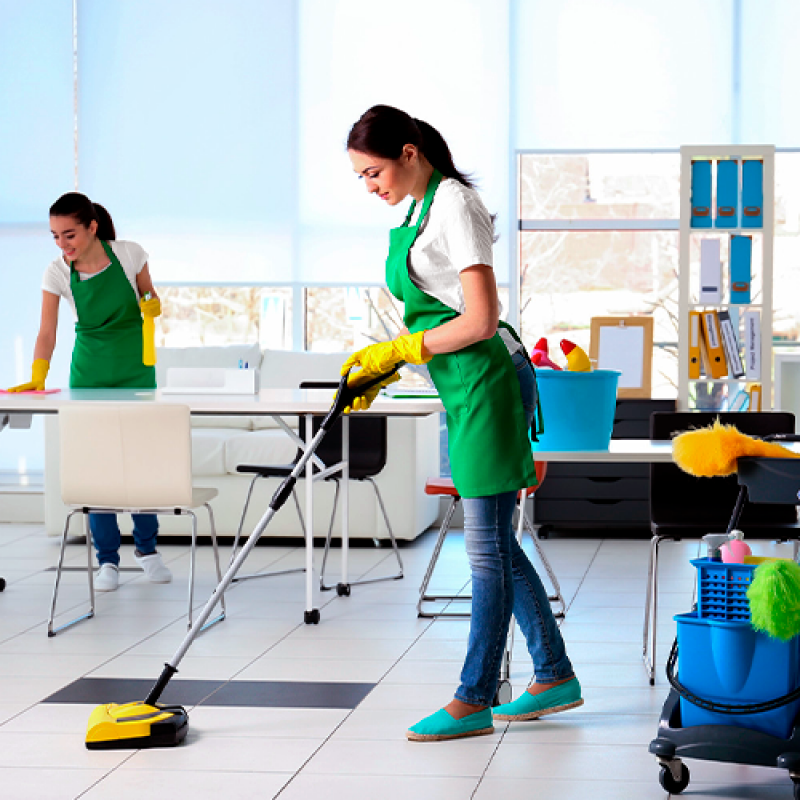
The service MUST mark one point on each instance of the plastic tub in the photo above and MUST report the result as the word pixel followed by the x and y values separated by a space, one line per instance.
pixel 729 662
pixel 577 409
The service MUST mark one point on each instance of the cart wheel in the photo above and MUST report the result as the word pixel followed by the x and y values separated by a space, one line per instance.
pixel 2 584
pixel 669 784
pixel 545 531
pixel 311 617
pixel 343 589
pixel 503 694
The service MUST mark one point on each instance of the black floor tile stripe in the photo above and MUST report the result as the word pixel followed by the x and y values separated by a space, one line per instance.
pixel 251 694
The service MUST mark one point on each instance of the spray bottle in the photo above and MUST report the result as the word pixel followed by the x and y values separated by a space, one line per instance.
pixel 714 542
pixel 148 338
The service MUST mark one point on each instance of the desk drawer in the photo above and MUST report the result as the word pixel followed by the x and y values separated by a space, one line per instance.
pixel 598 488
pixel 579 469
pixel 619 512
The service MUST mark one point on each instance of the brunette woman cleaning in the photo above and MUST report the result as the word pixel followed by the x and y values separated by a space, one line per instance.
pixel 440 266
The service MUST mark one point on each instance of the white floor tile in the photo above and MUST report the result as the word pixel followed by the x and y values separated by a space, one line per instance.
pixel 132 784
pixel 23 783
pixel 385 787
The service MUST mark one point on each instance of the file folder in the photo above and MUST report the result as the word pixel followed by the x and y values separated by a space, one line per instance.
pixel 701 194
pixel 730 343
pixel 710 272
pixel 727 194
pixel 752 194
pixel 755 397
pixel 740 254
pixel 752 345
pixel 713 341
pixel 694 345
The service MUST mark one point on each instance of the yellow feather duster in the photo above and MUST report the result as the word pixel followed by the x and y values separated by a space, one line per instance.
pixel 713 451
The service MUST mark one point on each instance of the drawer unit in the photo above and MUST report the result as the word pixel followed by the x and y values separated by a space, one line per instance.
pixel 602 496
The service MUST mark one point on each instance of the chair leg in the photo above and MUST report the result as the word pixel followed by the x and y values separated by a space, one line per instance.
pixel 213 525
pixel 423 589
pixel 192 554
pixel 322 585
pixel 649 630
pixel 51 631
pixel 235 547
pixel 346 589
pixel 557 596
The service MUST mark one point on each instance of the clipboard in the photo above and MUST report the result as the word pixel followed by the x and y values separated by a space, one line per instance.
pixel 624 344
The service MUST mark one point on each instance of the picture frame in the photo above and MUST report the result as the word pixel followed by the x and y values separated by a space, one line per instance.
pixel 624 344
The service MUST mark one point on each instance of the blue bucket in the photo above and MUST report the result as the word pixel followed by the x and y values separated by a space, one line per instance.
pixel 577 408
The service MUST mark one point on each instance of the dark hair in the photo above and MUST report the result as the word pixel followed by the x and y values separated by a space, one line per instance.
pixel 383 131
pixel 75 204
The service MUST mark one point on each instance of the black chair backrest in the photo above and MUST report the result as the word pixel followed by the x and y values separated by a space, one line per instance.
pixel 680 500
pixel 368 438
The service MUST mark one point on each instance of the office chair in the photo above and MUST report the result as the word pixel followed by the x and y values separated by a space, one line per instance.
pixel 682 506
pixel 367 457
pixel 131 458
pixel 443 487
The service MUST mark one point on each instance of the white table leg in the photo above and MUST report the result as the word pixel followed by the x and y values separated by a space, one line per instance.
pixel 345 494
pixel 309 526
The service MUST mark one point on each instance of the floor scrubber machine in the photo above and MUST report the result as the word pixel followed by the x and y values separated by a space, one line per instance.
pixel 736 695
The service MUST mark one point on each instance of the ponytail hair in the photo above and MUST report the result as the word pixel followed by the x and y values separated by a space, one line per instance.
pixel 383 131
pixel 79 206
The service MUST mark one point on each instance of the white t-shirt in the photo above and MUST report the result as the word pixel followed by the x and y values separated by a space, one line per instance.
pixel 457 233
pixel 132 258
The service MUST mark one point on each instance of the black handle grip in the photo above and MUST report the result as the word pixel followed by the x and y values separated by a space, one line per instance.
pixel 345 394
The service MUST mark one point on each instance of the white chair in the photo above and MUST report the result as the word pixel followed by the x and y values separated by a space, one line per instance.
pixel 128 458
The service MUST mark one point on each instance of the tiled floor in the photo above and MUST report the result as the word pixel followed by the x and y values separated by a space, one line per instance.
pixel 598 751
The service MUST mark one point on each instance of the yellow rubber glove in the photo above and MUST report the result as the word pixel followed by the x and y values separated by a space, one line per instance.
pixel 364 401
pixel 150 308
pixel 40 369
pixel 381 357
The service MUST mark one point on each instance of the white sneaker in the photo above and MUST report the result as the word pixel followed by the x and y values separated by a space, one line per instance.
pixel 154 568
pixel 106 579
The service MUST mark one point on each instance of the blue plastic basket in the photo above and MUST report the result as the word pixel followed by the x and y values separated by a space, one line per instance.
pixel 729 662
pixel 722 590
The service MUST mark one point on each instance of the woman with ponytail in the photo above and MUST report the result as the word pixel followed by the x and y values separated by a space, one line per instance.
pixel 104 281
pixel 440 267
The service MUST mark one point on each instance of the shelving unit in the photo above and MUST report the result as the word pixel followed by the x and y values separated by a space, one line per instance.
pixel 761 268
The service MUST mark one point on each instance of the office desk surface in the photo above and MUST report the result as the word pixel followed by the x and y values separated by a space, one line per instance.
pixel 268 401
pixel 627 450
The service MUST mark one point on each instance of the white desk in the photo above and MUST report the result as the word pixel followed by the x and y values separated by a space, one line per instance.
pixel 16 410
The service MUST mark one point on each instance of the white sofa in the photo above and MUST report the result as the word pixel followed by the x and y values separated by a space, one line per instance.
pixel 220 443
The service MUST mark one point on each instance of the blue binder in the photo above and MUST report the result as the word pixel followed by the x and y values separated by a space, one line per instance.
pixel 701 194
pixel 741 250
pixel 727 194
pixel 752 194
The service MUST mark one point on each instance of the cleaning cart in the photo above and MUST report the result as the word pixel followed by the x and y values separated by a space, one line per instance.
pixel 736 695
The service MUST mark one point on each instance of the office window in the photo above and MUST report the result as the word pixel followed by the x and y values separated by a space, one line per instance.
pixel 599 237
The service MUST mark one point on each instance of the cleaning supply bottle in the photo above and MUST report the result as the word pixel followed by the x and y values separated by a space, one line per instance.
pixel 148 338
pixel 577 360
pixel 735 550
pixel 714 542
pixel 540 357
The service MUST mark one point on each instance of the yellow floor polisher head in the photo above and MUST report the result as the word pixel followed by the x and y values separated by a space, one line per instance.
pixel 131 726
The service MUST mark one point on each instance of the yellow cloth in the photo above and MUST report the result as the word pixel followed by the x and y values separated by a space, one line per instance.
pixel 713 451
pixel 40 369
pixel 150 308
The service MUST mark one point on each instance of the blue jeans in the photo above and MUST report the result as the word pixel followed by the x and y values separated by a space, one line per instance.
pixel 106 536
pixel 504 580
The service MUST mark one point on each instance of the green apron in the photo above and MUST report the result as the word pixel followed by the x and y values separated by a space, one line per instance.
pixel 490 451
pixel 108 333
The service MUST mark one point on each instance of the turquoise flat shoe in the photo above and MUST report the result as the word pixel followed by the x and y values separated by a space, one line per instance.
pixel 532 706
pixel 440 726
